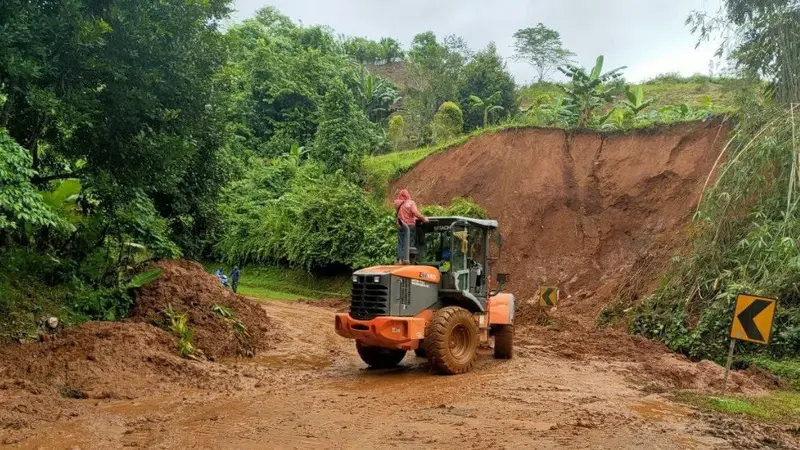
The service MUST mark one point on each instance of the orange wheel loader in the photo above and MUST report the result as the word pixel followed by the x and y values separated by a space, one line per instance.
pixel 438 304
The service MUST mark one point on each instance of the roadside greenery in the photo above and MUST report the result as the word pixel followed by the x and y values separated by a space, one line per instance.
pixel 746 227
pixel 145 130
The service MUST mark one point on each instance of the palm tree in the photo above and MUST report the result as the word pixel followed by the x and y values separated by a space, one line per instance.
pixel 489 105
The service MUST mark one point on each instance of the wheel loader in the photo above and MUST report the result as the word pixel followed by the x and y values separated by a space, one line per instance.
pixel 438 303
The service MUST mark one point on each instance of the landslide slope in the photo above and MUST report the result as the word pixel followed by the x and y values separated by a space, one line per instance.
pixel 597 214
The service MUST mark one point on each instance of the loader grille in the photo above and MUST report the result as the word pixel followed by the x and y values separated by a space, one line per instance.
pixel 369 299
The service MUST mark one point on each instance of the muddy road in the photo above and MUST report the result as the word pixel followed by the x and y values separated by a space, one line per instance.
pixel 312 391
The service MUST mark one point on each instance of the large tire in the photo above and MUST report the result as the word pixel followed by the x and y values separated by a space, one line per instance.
pixel 504 341
pixel 451 340
pixel 380 357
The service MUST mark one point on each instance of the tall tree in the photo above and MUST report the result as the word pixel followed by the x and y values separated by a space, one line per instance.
pixel 392 50
pixel 761 36
pixel 542 48
pixel 485 77
pixel 339 142
pixel 434 69
pixel 119 94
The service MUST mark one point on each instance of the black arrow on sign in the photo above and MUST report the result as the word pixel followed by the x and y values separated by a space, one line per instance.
pixel 747 317
pixel 546 296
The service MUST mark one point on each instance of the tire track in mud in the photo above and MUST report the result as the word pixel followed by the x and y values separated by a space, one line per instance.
pixel 313 392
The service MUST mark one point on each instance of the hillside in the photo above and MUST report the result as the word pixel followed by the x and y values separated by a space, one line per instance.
pixel 592 213
pixel 668 89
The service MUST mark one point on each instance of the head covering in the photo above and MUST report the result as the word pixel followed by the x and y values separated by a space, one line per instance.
pixel 402 197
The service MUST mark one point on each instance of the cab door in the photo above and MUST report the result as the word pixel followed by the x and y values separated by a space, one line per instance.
pixel 459 256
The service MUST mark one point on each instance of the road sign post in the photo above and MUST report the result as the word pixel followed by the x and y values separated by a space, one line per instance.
pixel 752 322
pixel 728 365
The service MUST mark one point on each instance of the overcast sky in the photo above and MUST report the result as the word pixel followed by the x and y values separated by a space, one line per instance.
pixel 647 36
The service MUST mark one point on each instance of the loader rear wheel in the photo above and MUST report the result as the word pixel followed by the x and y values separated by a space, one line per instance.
pixel 504 342
pixel 380 357
pixel 451 340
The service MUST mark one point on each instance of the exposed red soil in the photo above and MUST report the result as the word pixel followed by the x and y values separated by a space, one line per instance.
pixel 595 214
pixel 187 288
pixel 101 360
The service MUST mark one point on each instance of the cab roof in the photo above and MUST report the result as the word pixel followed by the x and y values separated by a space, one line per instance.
pixel 478 222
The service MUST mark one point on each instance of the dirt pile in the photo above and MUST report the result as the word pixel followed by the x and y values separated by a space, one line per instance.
pixel 643 360
pixel 185 287
pixel 97 359
pixel 592 213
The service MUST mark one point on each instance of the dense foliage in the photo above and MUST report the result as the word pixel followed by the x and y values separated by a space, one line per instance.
pixel 301 215
pixel 760 36
pixel 135 130
pixel 485 77
pixel 746 228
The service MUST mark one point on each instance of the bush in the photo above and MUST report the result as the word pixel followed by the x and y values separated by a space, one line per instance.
pixel 460 206
pixel 342 133
pixel 448 122
pixel 397 131
pixel 312 220
pixel 744 240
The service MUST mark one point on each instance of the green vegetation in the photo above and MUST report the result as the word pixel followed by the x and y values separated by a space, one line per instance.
pixel 178 324
pixel 744 235
pixel 230 316
pixel 788 369
pixel 281 283
pixel 486 79
pixel 667 90
pixel 447 123
pixel 779 407
pixel 145 130
pixel 542 48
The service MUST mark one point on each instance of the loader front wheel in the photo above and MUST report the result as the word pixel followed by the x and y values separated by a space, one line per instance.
pixel 504 342
pixel 451 340
pixel 380 357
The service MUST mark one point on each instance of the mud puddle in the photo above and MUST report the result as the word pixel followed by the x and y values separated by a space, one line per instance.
pixel 314 392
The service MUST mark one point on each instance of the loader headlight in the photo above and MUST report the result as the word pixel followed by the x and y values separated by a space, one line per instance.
pixel 355 279
pixel 376 280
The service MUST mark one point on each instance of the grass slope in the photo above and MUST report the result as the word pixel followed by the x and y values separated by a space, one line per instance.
pixel 281 283
pixel 695 91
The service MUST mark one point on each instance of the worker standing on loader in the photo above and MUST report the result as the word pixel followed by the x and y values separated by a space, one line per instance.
pixel 407 214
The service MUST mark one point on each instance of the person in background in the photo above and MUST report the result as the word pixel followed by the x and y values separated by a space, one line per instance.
pixel 235 274
pixel 407 214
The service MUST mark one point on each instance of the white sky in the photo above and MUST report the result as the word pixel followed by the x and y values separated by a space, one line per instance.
pixel 647 36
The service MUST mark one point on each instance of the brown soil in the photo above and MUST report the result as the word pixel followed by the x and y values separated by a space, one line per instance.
pixel 187 288
pixel 312 391
pixel 599 222
pixel 595 214
pixel 100 360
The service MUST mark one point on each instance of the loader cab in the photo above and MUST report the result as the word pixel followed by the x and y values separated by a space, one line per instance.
pixel 459 248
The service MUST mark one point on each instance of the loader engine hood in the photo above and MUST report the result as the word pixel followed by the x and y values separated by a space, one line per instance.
pixel 401 291
pixel 422 273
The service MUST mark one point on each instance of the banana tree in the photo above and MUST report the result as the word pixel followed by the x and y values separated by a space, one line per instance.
pixel 636 102
pixel 490 105
pixel 296 155
pixel 376 96
pixel 588 92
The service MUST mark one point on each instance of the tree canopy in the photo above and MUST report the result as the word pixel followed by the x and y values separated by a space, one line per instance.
pixel 542 48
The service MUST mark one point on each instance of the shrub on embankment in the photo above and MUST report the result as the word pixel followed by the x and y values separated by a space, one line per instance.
pixel 745 239
pixel 301 215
